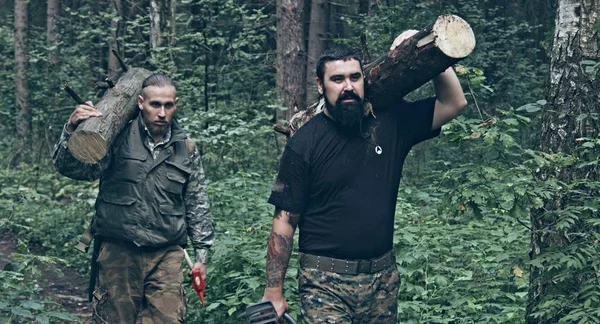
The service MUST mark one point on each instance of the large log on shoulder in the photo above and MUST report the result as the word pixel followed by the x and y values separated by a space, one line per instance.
pixel 92 139
pixel 407 67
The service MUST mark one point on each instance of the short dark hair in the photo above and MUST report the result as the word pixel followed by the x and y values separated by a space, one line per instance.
pixel 157 80
pixel 335 53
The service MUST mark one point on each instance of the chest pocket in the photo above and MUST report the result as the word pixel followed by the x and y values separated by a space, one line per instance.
pixel 177 176
pixel 130 166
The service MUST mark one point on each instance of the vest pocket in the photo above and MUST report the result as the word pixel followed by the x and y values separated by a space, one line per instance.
pixel 118 200
pixel 171 210
pixel 175 183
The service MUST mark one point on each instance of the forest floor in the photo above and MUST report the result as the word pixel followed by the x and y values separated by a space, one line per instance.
pixel 68 290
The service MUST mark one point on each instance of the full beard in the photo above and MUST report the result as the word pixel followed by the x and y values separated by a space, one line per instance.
pixel 347 115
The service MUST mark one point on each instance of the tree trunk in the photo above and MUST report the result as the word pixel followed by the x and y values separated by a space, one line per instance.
pixel 373 5
pixel 113 45
pixel 51 15
pixel 155 34
pixel 368 7
pixel 21 89
pixel 573 92
pixel 317 42
pixel 92 138
pixel 290 56
pixel 410 65
pixel 172 21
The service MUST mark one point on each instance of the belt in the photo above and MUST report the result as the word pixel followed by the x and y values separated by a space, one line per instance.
pixel 351 267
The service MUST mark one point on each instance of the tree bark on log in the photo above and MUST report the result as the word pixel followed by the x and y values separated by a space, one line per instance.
pixel 92 139
pixel 407 67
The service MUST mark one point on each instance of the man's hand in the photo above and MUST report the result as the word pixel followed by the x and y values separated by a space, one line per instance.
pixel 402 37
pixel 202 268
pixel 81 113
pixel 275 295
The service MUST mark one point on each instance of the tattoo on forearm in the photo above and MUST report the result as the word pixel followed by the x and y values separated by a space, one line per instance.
pixel 278 256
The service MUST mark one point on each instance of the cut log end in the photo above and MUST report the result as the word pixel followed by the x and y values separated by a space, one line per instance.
pixel 87 147
pixel 453 36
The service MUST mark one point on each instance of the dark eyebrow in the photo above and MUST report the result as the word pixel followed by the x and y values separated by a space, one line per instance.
pixel 357 74
pixel 161 103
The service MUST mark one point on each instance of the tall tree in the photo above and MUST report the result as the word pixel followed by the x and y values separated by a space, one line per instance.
pixel 155 33
pixel 290 56
pixel 116 30
pixel 560 233
pixel 317 42
pixel 22 93
pixel 171 21
pixel 51 16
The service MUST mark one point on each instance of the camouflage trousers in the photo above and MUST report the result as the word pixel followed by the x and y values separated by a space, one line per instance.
pixel 139 280
pixel 328 297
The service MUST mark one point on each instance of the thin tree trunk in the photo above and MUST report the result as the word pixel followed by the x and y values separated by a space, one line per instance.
pixel 155 33
pixel 573 92
pixel 317 42
pixel 113 42
pixel 373 5
pixel 172 21
pixel 290 56
pixel 51 15
pixel 21 89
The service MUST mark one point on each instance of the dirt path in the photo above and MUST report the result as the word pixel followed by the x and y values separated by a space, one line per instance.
pixel 70 290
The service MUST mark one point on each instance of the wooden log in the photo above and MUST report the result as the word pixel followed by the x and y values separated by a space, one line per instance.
pixel 92 139
pixel 417 60
pixel 407 67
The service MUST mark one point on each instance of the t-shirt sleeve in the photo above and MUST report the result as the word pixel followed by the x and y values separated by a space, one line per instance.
pixel 417 117
pixel 289 191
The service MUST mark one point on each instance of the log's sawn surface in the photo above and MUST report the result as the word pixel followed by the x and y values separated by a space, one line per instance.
pixel 92 139
pixel 418 59
pixel 407 67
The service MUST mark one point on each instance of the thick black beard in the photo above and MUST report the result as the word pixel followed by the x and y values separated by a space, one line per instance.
pixel 347 115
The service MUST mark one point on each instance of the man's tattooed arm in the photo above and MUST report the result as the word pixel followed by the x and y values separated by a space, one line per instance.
pixel 280 246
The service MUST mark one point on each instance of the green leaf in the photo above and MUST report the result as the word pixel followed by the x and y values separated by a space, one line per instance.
pixel 32 305
pixel 62 316
pixel 21 312
pixel 43 319
pixel 231 310
pixel 212 306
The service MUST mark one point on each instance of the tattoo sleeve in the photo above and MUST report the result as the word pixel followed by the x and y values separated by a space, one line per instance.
pixel 279 249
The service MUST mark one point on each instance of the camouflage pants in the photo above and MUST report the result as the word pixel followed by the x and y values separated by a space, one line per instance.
pixel 328 297
pixel 134 280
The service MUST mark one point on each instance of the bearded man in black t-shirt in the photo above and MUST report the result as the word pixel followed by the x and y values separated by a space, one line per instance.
pixel 338 183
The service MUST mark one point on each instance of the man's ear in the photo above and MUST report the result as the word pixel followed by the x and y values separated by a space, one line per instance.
pixel 319 86
pixel 140 102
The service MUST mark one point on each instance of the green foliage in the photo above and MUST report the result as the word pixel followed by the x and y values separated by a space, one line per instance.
pixel 236 271
pixel 463 236
pixel 463 213
pixel 21 300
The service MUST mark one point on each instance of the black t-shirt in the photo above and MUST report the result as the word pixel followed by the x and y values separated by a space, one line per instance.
pixel 344 191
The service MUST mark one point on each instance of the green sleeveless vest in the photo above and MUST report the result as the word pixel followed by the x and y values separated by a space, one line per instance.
pixel 141 199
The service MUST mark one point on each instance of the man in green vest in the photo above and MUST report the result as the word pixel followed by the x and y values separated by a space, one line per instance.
pixel 152 196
